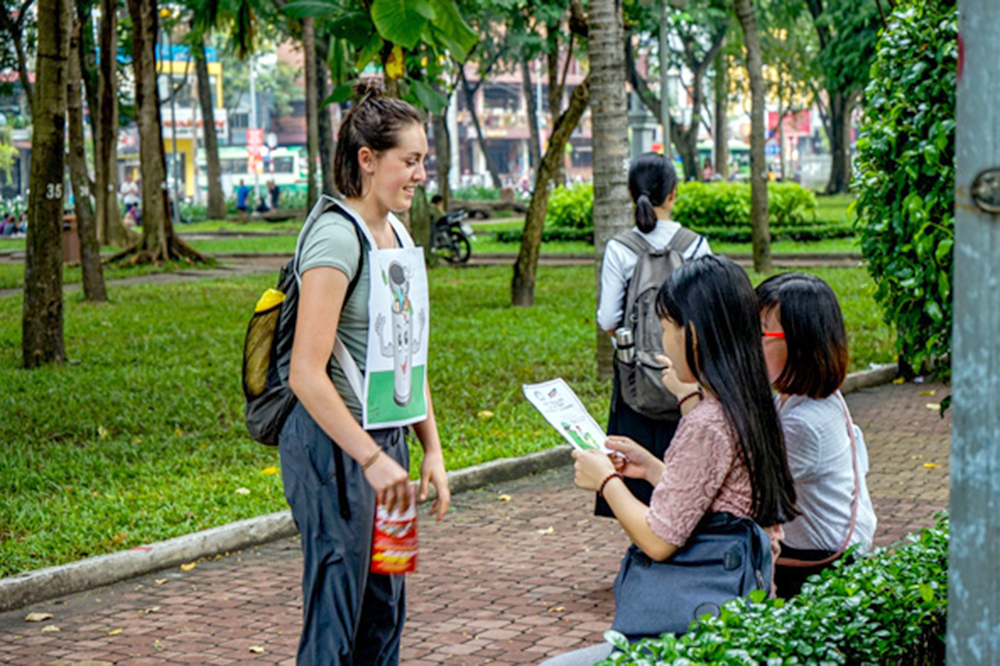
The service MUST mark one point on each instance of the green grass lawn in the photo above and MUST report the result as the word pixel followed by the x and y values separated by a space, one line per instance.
pixel 12 275
pixel 213 226
pixel 834 207
pixel 139 436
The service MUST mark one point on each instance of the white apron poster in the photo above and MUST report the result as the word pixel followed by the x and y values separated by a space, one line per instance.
pixel 396 363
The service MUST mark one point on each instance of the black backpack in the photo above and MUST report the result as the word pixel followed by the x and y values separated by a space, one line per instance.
pixel 640 381
pixel 267 350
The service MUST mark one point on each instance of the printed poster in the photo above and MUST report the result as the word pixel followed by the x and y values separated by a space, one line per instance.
pixel 396 364
pixel 562 408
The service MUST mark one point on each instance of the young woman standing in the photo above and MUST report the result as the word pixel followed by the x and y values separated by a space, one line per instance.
pixel 652 183
pixel 334 469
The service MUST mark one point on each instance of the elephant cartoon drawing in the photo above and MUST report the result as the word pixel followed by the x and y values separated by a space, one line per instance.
pixel 401 344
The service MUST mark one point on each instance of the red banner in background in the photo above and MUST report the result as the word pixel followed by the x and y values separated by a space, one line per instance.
pixel 255 139
pixel 796 123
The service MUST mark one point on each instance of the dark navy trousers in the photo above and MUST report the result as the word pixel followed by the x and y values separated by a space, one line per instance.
pixel 350 616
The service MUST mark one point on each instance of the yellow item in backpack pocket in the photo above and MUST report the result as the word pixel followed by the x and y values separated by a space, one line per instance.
pixel 269 299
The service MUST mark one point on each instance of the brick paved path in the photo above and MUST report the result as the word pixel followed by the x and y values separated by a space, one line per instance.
pixel 500 582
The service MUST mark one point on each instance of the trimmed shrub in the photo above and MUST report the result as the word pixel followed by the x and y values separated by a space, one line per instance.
pixel 905 177
pixel 711 205
pixel 571 208
pixel 476 193
pixel 886 608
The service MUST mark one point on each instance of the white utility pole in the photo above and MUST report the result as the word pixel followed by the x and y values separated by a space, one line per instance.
pixel 974 548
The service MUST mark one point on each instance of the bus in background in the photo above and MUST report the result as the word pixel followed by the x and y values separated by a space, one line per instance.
pixel 739 156
pixel 287 167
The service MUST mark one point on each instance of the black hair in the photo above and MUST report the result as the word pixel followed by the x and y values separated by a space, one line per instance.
pixel 814 333
pixel 651 179
pixel 713 299
pixel 374 122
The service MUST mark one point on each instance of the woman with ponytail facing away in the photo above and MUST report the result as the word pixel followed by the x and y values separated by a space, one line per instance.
pixel 652 183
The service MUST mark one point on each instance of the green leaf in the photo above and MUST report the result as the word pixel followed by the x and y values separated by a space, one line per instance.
pixel 926 592
pixel 369 52
pixel 312 9
pixel 341 93
pixel 452 29
pixel 401 21
pixel 429 98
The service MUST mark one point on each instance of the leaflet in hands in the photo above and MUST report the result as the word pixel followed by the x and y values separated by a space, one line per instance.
pixel 562 408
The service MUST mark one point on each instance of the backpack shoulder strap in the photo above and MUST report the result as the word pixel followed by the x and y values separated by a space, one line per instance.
pixel 682 240
pixel 634 242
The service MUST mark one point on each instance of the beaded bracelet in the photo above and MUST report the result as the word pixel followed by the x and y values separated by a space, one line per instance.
pixel 697 392
pixel 600 491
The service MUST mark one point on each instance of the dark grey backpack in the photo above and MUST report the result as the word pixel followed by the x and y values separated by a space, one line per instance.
pixel 640 382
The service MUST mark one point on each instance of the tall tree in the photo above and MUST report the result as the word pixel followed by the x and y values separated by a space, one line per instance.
pixel 700 28
pixel 848 33
pixel 531 104
pixel 159 241
pixel 325 124
pixel 312 106
pixel 42 322
pixel 470 103
pixel 609 112
pixel 15 20
pixel 522 286
pixel 721 115
pixel 216 209
pixel 761 233
pixel 90 248
pixel 110 228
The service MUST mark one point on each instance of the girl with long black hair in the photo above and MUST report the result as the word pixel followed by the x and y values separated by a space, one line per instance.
pixel 728 454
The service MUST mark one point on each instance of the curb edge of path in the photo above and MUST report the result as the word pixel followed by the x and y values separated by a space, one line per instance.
pixel 57 581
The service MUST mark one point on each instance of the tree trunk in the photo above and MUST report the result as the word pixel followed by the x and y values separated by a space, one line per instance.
pixel 840 145
pixel 470 101
pixel 312 106
pixel 522 287
pixel 531 102
pixel 758 166
pixel 87 54
pixel 216 199
pixel 612 203
pixel 90 249
pixel 326 143
pixel 16 31
pixel 442 156
pixel 556 92
pixel 42 322
pixel 110 229
pixel 721 119
pixel 159 241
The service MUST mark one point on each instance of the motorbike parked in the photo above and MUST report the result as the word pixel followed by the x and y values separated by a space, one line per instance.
pixel 453 236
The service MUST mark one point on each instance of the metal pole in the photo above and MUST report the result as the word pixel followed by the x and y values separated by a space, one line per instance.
pixel 175 211
pixel 253 120
pixel 664 91
pixel 974 550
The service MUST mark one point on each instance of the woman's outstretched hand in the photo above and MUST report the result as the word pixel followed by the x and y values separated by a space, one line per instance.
pixel 591 468
pixel 635 462
pixel 391 483
pixel 432 472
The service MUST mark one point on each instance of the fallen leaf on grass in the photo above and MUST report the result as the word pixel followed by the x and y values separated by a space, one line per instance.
pixel 503 498
pixel 114 632
pixel 161 581
pixel 38 617
pixel 242 491
pixel 256 649
pixel 928 392
pixel 931 465
pixel 484 414
pixel 919 456
pixel 547 530
pixel 269 470
pixel 49 628
pixel 898 380
pixel 188 566
pixel 934 406
pixel 102 432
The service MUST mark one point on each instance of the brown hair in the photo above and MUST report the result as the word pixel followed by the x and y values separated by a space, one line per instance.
pixel 374 122
pixel 814 333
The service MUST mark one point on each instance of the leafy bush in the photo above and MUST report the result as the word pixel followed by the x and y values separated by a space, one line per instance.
pixel 905 176
pixel 476 193
pixel 889 607
pixel 548 235
pixel 707 205
pixel 571 208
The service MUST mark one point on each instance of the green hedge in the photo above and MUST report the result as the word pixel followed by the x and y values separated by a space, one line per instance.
pixel 548 235
pixel 887 608
pixel 571 208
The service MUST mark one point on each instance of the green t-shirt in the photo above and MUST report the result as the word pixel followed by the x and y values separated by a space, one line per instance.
pixel 333 241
